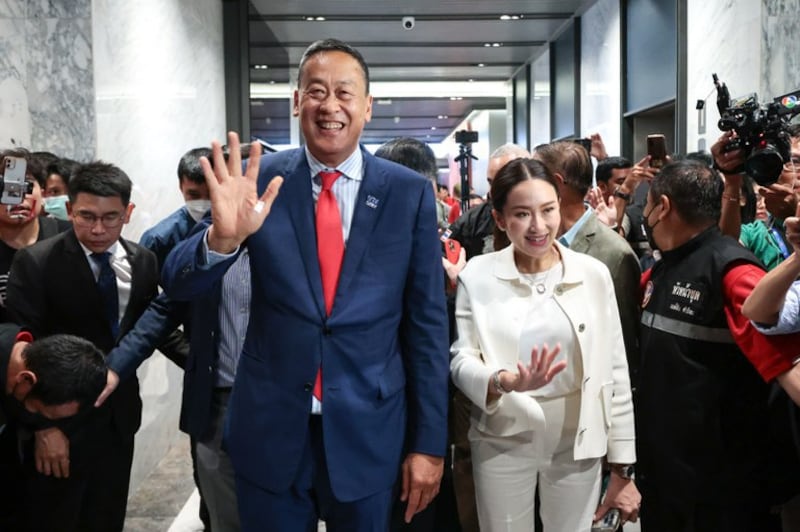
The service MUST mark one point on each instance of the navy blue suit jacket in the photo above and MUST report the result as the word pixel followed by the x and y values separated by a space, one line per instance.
pixel 383 350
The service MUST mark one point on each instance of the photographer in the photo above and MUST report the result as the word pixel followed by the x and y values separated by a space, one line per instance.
pixel 23 225
pixel 766 239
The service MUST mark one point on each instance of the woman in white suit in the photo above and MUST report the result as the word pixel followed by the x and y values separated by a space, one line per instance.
pixel 540 354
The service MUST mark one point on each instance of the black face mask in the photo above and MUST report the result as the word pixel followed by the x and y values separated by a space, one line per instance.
pixel 648 229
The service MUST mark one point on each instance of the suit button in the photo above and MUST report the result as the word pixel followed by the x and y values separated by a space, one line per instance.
pixel 308 387
pixel 581 327
pixel 327 331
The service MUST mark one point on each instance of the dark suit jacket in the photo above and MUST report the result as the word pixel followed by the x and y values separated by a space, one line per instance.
pixel 51 289
pixel 601 242
pixel 383 350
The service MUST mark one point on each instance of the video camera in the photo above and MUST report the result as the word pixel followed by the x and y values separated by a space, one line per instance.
pixel 762 130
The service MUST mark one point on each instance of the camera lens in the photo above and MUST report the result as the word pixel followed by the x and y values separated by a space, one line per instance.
pixel 764 165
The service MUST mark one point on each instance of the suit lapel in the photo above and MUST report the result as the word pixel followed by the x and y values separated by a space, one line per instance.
pixel 296 191
pixel 585 236
pixel 369 203
pixel 127 321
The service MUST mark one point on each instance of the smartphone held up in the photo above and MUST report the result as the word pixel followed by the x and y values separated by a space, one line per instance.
pixel 13 183
pixel 657 150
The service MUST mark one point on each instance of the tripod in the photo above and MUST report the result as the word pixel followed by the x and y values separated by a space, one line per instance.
pixel 464 155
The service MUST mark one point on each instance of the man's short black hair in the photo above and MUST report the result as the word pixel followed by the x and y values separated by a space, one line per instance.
pixel 694 189
pixel 411 153
pixel 67 368
pixel 189 165
pixel 100 179
pixel 63 168
pixel 332 45
pixel 606 167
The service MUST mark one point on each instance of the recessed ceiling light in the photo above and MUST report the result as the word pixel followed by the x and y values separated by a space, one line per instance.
pixel 481 65
pixel 505 17
pixel 261 67
pixel 310 18
pixel 397 120
pixel 496 44
pixel 455 98
pixel 442 117
pixel 433 128
pixel 320 19
pixel 487 44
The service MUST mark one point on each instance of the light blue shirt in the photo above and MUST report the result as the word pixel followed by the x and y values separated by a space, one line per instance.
pixel 788 319
pixel 567 238
pixel 233 316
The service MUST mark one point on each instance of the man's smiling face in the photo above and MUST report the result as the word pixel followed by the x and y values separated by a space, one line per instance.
pixel 333 105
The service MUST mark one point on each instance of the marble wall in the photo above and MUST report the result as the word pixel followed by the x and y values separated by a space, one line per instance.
pixel 752 46
pixel 46 76
pixel 600 73
pixel 159 82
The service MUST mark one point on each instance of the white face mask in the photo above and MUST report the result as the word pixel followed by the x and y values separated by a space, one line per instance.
pixel 197 208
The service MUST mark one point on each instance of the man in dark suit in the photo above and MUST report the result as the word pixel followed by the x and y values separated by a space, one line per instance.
pixel 91 283
pixel 342 381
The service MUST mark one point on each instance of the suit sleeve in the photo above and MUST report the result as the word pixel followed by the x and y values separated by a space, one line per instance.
pixel 25 293
pixel 424 333
pixel 186 275
pixel 152 329
pixel 627 280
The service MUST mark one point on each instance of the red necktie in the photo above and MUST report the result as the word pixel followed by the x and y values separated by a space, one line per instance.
pixel 330 249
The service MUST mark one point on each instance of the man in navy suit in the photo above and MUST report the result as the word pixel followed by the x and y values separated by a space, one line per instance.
pixel 378 341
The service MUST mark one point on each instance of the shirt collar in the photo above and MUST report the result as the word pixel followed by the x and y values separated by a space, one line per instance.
pixel 352 167
pixel 116 250
pixel 567 238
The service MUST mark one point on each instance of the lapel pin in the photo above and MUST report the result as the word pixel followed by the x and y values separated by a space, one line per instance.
pixel 372 202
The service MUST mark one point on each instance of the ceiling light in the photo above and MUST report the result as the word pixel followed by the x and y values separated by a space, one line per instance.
pixel 310 19
pixel 456 98
pixel 496 44
pixel 487 44
pixel 320 19
pixel 433 128
pixel 481 65
pixel 505 17
pixel 470 80
pixel 260 67
pixel 397 120
pixel 442 117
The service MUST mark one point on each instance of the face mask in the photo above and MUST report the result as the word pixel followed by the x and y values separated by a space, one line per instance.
pixel 56 206
pixel 198 208
pixel 648 229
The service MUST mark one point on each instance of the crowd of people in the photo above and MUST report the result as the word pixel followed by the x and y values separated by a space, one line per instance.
pixel 357 350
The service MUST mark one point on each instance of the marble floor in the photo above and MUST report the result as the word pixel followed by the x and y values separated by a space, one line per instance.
pixel 167 500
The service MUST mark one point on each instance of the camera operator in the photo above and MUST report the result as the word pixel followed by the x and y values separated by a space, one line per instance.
pixel 766 239
pixel 23 225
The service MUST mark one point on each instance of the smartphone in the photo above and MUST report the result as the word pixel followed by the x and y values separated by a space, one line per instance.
pixel 609 522
pixel 14 186
pixel 586 143
pixel 657 150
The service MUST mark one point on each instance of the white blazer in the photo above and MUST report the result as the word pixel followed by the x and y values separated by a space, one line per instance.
pixel 492 301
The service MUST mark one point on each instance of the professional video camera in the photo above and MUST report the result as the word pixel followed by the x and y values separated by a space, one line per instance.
pixel 762 130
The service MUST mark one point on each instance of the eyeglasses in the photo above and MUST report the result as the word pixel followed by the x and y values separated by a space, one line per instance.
pixel 88 220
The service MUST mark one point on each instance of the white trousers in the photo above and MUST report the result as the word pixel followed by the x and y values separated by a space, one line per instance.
pixel 507 470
